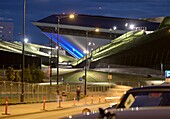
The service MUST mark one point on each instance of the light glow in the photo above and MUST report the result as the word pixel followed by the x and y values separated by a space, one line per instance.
pixel 71 16
pixel 114 28
pixel 26 40
pixel 126 24
pixel 68 46
pixel 97 30
pixel 132 26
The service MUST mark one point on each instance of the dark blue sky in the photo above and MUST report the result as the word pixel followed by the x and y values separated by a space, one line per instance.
pixel 12 10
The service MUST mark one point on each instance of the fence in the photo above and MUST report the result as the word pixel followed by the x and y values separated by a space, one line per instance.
pixel 36 92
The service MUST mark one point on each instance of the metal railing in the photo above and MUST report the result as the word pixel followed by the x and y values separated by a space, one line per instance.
pixel 36 92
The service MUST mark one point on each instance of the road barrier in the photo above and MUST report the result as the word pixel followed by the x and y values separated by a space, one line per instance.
pixel 6 107
pixel 92 99
pixel 44 104
pixel 74 101
pixel 99 98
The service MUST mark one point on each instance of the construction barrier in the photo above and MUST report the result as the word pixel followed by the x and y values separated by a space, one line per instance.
pixel 92 99
pixel 74 101
pixel 44 104
pixel 99 98
pixel 6 107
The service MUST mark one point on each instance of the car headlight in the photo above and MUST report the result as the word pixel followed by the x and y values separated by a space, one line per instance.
pixel 105 114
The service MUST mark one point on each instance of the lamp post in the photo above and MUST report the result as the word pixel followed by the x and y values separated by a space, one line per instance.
pixel 129 26
pixel 126 25
pixel 110 34
pixel 114 29
pixel 91 45
pixel 86 62
pixel 85 70
pixel 23 52
pixel 71 16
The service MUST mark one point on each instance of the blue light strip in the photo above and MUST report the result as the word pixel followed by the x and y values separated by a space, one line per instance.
pixel 71 47
pixel 66 45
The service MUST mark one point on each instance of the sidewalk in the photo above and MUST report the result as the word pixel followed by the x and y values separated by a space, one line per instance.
pixel 23 109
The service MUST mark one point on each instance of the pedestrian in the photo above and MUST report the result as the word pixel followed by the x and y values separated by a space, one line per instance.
pixel 64 96
pixel 58 95
pixel 78 91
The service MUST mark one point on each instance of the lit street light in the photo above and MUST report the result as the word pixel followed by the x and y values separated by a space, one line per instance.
pixel 71 16
pixel 126 25
pixel 114 29
pixel 91 46
pixel 131 26
pixel 26 40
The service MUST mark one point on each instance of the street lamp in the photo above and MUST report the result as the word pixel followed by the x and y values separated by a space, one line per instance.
pixel 126 25
pixel 26 40
pixel 91 47
pixel 131 26
pixel 86 61
pixel 23 52
pixel 71 16
pixel 114 29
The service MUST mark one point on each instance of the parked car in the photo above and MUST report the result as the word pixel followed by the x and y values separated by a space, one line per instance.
pixel 152 102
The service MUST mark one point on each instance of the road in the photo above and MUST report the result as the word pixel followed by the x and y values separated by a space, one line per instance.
pixel 57 114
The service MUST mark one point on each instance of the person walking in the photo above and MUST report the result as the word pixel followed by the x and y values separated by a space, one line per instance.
pixel 78 91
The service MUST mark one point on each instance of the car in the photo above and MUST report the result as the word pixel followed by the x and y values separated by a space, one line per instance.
pixel 151 102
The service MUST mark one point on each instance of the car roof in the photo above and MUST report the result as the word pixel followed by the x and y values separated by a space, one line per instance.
pixel 162 87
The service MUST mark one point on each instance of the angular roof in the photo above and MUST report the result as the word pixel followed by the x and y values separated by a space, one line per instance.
pixel 73 32
pixel 99 21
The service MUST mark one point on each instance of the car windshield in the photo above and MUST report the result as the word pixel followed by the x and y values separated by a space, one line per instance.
pixel 145 99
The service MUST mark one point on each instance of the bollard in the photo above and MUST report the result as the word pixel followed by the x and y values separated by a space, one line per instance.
pixel 6 107
pixel 99 98
pixel 92 99
pixel 44 103
pixel 74 101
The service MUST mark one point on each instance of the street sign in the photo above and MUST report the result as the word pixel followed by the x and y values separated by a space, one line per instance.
pixel 109 76
pixel 167 75
pixel 80 79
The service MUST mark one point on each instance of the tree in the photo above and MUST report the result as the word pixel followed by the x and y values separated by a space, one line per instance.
pixel 27 75
pixel 10 73
pixel 17 76
pixel 31 75
pixel 37 74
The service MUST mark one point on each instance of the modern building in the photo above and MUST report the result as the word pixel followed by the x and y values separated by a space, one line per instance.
pixel 121 41
pixel 74 33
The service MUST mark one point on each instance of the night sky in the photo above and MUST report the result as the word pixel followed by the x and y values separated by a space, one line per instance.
pixel 12 10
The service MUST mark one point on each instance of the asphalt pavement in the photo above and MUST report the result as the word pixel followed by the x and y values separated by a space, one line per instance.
pixel 25 109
